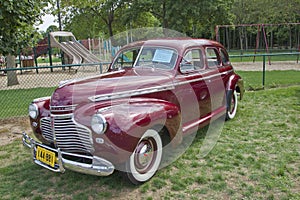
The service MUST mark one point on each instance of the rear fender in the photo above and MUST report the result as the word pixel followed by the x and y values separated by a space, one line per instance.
pixel 235 82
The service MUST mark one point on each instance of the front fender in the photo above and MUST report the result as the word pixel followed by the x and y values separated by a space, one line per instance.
pixel 127 121
pixel 43 105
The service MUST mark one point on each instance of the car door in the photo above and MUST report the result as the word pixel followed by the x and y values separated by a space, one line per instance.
pixel 215 78
pixel 190 87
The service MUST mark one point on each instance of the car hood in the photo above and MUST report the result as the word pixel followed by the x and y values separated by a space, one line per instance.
pixel 113 85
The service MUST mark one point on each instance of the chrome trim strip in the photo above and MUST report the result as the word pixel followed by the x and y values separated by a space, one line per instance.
pixel 220 111
pixel 63 108
pixel 99 166
pixel 204 78
pixel 201 79
pixel 124 94
pixel 41 99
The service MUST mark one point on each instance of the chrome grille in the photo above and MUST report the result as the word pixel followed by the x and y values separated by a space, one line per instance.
pixel 46 129
pixel 68 135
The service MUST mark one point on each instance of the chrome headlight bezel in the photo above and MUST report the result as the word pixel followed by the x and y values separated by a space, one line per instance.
pixel 98 123
pixel 33 111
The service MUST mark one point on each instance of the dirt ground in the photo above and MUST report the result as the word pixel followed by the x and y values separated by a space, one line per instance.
pixel 11 129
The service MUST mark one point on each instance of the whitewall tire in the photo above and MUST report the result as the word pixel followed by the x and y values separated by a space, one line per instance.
pixel 145 160
pixel 232 106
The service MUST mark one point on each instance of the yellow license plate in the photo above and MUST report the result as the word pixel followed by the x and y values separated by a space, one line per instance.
pixel 45 156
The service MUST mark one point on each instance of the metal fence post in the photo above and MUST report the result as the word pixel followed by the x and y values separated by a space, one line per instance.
pixel 100 68
pixel 264 71
pixel 35 60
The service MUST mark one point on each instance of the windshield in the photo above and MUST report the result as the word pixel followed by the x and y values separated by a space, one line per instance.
pixel 154 57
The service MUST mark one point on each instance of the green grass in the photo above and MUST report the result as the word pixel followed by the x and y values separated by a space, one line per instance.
pixel 16 102
pixel 253 79
pixel 47 60
pixel 256 157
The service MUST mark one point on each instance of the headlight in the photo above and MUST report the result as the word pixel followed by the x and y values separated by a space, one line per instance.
pixel 98 124
pixel 33 111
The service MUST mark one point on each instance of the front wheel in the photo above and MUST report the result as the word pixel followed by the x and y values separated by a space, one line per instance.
pixel 145 160
pixel 232 106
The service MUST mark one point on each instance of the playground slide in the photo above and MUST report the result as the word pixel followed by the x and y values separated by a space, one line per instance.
pixel 85 53
pixel 77 59
pixel 89 56
pixel 72 48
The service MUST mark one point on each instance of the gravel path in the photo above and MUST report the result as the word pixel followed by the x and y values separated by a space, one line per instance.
pixel 258 66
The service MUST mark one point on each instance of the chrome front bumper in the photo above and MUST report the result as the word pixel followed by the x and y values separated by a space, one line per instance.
pixel 98 166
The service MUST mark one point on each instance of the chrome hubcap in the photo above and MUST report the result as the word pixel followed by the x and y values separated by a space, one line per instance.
pixel 145 155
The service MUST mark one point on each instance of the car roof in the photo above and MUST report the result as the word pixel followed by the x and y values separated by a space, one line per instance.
pixel 176 43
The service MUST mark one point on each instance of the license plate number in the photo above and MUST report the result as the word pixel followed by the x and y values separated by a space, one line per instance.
pixel 45 156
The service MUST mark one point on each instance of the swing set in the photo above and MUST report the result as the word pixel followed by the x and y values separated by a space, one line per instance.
pixel 245 37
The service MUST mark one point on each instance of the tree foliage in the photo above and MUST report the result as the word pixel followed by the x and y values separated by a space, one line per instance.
pixel 92 13
pixel 194 18
pixel 87 18
pixel 266 11
pixel 17 19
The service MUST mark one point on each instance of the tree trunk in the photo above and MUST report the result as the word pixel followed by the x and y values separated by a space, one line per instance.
pixel 12 78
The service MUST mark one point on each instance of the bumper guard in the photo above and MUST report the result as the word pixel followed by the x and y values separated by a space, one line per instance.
pixel 99 166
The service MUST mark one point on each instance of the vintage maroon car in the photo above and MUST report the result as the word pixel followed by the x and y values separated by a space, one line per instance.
pixel 154 93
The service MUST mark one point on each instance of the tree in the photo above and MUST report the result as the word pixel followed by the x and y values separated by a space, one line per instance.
pixel 104 9
pixel 17 19
pixel 185 16
pixel 84 24
pixel 267 12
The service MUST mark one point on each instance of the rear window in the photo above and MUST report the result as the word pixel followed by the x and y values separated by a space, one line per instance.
pixel 224 57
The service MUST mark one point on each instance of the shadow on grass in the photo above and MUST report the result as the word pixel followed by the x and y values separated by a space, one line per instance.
pixel 21 178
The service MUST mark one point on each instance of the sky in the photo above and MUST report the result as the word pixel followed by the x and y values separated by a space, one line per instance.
pixel 48 20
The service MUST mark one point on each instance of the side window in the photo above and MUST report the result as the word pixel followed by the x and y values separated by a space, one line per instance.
pixel 224 57
pixel 192 60
pixel 212 57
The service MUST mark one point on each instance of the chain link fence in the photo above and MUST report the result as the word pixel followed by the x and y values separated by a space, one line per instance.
pixel 36 82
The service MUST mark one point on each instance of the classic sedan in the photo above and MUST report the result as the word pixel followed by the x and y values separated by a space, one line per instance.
pixel 154 94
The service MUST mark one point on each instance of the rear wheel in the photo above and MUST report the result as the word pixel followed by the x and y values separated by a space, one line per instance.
pixel 145 160
pixel 232 106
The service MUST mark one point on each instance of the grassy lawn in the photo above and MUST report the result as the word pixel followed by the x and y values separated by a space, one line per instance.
pixel 253 79
pixel 47 60
pixel 16 102
pixel 256 157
